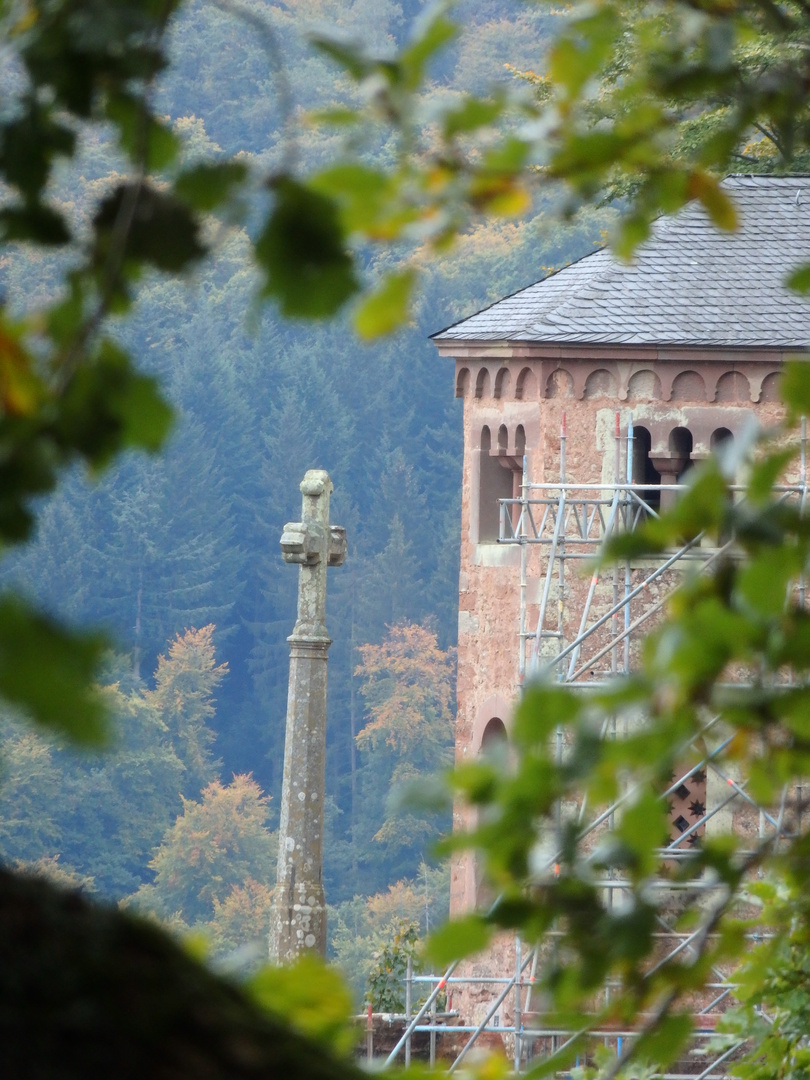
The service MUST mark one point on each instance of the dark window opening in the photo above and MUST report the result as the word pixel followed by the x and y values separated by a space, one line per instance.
pixel 496 481
pixel 680 448
pixel 644 472
pixel 494 741
pixel 721 437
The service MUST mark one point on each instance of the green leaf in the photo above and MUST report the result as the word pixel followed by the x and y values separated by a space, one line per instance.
pixel 762 583
pixel 337 117
pixel 472 114
pixel 207 186
pixel 795 387
pixel 458 938
pixel 765 472
pixel 800 279
pixel 311 997
pixel 48 672
pixel 349 53
pixel 542 708
pixel 432 31
pixel 664 1042
pixel 387 307
pixel 153 226
pixel 303 253
pixel 108 406
pixel 577 58
pixel 642 828
pixel 718 205
pixel 362 193
pixel 146 417
pixel 144 138
pixel 34 222
pixel 28 145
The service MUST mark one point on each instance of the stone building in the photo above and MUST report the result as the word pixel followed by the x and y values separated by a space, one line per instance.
pixel 680 349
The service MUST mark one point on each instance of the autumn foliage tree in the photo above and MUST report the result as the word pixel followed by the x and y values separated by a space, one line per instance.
pixel 186 681
pixel 408 686
pixel 216 847
pixel 362 929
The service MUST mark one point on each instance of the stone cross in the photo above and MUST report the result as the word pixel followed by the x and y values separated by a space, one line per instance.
pixel 298 919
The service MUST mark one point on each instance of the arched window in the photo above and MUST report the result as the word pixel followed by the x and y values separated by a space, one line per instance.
pixel 495 481
pixel 462 382
pixel 688 386
pixel 644 472
pixel 720 437
pixel 732 386
pixel 494 740
pixel 502 383
pixel 482 383
pixel 600 383
pixel 644 385
pixel 526 386
pixel 680 448
pixel 560 384
pixel 520 440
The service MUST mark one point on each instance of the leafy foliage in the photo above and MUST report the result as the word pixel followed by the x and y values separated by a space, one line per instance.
pixel 185 683
pixel 407 685
pixel 362 928
pixel 215 846
pixel 385 987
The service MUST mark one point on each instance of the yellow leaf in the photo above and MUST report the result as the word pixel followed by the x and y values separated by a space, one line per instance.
pixel 20 389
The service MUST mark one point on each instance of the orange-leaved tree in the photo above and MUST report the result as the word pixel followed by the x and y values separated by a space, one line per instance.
pixel 186 681
pixel 408 686
pixel 217 845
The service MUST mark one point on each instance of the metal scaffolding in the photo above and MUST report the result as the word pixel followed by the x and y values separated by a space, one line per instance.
pixel 572 522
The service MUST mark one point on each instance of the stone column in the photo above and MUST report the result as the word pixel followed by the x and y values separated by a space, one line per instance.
pixel 298 919
pixel 670 466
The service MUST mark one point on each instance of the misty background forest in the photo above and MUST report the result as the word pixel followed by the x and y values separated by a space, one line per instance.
pixel 178 555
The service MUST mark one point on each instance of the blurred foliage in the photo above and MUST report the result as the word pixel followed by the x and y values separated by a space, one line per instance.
pixel 652 100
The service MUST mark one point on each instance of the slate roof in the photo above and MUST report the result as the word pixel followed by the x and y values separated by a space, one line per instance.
pixel 689 283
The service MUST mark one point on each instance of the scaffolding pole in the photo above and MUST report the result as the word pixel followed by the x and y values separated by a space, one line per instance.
pixel 572 521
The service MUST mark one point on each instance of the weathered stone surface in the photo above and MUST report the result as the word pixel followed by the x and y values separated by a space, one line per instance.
pixel 298 920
